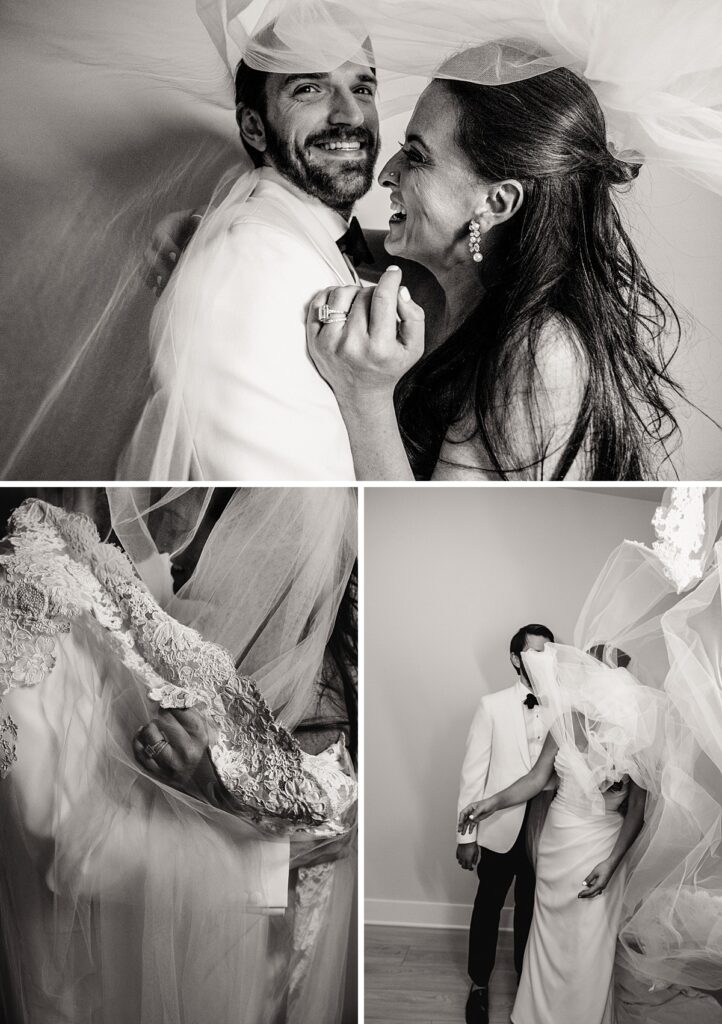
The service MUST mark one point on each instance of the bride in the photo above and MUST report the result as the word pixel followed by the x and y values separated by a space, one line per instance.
pixel 629 878
pixel 567 973
pixel 149 791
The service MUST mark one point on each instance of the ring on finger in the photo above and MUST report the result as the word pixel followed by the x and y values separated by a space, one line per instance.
pixel 153 749
pixel 327 315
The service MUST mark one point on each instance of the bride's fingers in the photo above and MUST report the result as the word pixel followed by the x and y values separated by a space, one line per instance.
pixel 412 322
pixel 382 316
pixel 142 758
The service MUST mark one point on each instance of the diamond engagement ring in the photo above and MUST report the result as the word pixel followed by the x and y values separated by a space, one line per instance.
pixel 153 749
pixel 326 315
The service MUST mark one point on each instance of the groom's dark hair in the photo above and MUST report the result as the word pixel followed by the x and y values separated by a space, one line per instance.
pixel 250 85
pixel 516 644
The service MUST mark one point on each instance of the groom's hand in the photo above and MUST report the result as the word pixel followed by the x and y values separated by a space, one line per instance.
pixel 467 855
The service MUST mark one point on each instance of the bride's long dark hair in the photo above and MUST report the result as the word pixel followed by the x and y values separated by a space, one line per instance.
pixel 564 258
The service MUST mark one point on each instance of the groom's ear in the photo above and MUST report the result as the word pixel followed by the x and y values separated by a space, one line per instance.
pixel 253 130
pixel 516 661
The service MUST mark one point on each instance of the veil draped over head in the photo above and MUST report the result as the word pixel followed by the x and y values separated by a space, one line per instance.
pixel 640 694
pixel 655 68
pixel 118 891
pixel 130 110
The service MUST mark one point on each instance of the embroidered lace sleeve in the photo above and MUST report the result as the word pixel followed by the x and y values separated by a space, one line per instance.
pixel 60 570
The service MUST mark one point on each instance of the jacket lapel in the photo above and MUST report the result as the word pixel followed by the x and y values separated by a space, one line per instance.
pixel 517 714
pixel 299 216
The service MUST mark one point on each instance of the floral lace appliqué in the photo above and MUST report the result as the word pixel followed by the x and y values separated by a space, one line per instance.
pixel 61 568
pixel 680 529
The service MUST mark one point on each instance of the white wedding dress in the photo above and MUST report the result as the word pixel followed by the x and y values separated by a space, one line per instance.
pixel 122 900
pixel 567 976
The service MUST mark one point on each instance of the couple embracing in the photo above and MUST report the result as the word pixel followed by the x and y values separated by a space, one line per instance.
pixel 271 361
pixel 565 849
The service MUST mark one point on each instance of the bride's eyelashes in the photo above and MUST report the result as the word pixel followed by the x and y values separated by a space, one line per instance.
pixel 412 155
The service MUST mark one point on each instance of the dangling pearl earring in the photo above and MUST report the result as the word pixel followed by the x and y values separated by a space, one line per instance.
pixel 475 240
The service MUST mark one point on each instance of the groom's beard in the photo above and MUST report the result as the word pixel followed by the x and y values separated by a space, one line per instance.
pixel 338 189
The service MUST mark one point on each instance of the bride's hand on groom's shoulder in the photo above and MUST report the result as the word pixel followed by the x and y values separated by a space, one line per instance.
pixel 364 357
pixel 170 237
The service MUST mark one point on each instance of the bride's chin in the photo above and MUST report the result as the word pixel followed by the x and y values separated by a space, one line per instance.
pixel 394 246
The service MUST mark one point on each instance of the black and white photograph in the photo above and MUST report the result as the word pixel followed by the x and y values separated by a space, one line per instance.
pixel 178 730
pixel 360 505
pixel 543 809
pixel 185 188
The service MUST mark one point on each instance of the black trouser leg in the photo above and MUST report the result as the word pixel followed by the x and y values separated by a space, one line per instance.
pixel 496 871
pixel 523 906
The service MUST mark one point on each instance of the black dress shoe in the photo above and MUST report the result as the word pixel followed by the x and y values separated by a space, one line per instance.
pixel 477 1006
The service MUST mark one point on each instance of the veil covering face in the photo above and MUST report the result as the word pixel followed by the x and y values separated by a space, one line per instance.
pixel 658 719
pixel 130 111
pixel 125 900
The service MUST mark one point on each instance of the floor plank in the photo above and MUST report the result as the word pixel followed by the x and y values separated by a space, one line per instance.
pixel 419 974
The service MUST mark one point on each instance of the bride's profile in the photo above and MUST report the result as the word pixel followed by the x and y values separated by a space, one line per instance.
pixel 144 875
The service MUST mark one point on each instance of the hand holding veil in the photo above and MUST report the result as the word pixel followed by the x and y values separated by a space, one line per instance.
pixel 116 857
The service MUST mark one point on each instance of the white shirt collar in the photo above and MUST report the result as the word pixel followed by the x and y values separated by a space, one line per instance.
pixel 334 223
pixel 522 690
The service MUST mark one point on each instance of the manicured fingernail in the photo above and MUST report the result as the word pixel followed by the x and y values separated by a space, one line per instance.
pixel 404 293
pixel 159 280
pixel 172 256
pixel 393 268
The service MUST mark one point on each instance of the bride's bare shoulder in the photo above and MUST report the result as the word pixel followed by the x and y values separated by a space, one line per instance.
pixel 538 408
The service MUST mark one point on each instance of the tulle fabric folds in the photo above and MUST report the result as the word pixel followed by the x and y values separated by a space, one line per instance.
pixel 125 901
pixel 656 612
pixel 269 580
pixel 655 68
pixel 132 902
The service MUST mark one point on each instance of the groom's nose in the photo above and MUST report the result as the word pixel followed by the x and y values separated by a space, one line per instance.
pixel 346 109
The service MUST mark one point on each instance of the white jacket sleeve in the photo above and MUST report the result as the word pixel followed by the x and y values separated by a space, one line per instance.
pixel 256 406
pixel 475 768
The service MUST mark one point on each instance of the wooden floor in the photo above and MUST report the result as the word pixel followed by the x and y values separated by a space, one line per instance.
pixel 419 974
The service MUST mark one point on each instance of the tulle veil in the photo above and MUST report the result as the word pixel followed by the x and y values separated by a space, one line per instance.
pixel 640 693
pixel 125 900
pixel 130 110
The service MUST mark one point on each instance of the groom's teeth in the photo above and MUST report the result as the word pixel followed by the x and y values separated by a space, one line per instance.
pixel 342 145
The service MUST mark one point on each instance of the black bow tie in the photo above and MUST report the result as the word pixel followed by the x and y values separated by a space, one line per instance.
pixel 530 701
pixel 353 245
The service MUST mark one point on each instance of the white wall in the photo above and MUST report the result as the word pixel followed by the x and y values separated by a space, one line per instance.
pixel 677 228
pixel 450 575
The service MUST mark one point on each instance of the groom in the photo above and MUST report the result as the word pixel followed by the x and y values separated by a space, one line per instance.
pixel 265 412
pixel 504 741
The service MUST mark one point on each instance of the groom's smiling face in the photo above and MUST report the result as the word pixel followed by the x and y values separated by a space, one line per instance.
pixel 321 131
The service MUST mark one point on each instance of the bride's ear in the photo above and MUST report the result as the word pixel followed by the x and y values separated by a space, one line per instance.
pixel 500 202
pixel 253 130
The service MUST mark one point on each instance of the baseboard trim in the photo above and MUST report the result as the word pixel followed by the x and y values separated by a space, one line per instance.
pixel 418 914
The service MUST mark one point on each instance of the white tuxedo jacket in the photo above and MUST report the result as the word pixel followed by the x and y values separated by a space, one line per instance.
pixel 236 395
pixel 497 754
